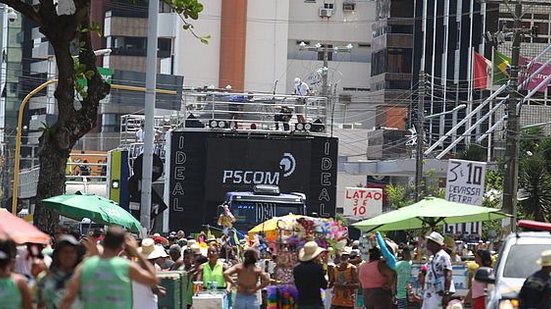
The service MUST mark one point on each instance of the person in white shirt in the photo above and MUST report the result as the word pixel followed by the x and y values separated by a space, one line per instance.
pixel 438 281
pixel 140 134
pixel 301 89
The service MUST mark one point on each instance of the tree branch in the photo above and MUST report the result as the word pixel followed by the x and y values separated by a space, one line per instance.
pixel 27 10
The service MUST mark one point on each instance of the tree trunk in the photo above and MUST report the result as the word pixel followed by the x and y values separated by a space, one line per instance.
pixel 51 182
pixel 56 142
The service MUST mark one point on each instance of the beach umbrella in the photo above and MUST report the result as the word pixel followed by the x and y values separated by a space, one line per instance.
pixel 429 212
pixel 20 230
pixel 271 226
pixel 96 208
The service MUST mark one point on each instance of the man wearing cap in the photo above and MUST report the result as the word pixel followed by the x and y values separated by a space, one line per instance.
pixel 309 277
pixel 344 281
pixel 51 284
pixel 536 290
pixel 105 281
pixel 438 282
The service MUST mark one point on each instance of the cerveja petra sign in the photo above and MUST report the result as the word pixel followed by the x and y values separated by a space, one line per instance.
pixel 465 182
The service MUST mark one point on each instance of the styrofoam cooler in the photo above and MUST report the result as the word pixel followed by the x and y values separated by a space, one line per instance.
pixel 207 300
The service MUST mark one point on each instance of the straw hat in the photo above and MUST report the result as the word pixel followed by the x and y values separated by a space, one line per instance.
pixel 195 249
pixel 346 251
pixel 545 259
pixel 158 252
pixel 436 237
pixel 148 246
pixel 310 251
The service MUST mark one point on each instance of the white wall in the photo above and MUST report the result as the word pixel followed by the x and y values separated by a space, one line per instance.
pixel 266 51
pixel 305 22
pixel 342 28
pixel 197 62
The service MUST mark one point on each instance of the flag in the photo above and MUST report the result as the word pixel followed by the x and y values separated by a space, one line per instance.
pixel 502 68
pixel 482 72
pixel 536 80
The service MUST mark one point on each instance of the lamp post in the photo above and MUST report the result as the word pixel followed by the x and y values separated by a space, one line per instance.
pixel 325 69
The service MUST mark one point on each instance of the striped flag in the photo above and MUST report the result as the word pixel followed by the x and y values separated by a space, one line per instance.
pixel 482 72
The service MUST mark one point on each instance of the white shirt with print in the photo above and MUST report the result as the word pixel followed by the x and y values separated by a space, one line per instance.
pixel 434 280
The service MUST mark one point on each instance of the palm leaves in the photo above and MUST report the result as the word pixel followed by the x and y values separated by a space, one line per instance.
pixel 535 177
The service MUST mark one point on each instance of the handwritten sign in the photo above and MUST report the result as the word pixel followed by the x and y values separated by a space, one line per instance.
pixel 362 203
pixel 465 182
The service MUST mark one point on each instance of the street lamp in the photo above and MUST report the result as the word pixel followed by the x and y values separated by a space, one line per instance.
pixel 325 69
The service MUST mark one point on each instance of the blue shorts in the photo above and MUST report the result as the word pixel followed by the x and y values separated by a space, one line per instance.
pixel 245 302
pixel 402 303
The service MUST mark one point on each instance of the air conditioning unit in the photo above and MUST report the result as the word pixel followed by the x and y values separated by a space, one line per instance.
pixel 348 6
pixel 326 12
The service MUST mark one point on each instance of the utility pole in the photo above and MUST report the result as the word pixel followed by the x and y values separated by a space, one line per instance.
pixel 324 48
pixel 419 128
pixel 149 111
pixel 324 71
pixel 510 181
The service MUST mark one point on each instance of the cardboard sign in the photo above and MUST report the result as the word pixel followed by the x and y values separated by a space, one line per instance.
pixel 362 203
pixel 465 182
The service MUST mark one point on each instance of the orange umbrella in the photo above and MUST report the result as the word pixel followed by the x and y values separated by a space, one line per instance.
pixel 19 230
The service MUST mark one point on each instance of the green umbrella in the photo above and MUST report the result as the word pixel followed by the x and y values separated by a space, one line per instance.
pixel 96 208
pixel 429 212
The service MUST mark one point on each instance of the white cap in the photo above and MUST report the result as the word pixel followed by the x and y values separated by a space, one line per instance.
pixel 297 80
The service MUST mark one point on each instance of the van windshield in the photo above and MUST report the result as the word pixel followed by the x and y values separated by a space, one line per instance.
pixel 522 260
pixel 255 212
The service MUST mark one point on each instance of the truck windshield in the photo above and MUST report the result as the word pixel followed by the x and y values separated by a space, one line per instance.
pixel 249 214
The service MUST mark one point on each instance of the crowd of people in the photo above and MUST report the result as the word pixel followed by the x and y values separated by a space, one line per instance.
pixel 114 270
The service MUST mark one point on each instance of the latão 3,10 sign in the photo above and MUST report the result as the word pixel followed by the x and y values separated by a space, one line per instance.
pixel 362 203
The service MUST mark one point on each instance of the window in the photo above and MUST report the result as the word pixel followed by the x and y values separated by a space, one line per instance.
pixel 541 16
pixel 328 5
pixel 164 47
pixel 164 7
pixel 309 1
pixel 542 28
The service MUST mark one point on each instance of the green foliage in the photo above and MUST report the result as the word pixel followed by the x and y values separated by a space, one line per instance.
pixel 399 196
pixel 530 138
pixel 536 181
pixel 188 9
pixel 81 75
pixel 544 149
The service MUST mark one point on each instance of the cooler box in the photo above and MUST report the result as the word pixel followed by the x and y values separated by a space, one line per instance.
pixel 172 282
pixel 207 300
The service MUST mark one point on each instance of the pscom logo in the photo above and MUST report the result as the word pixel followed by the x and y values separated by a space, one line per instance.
pixel 287 166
